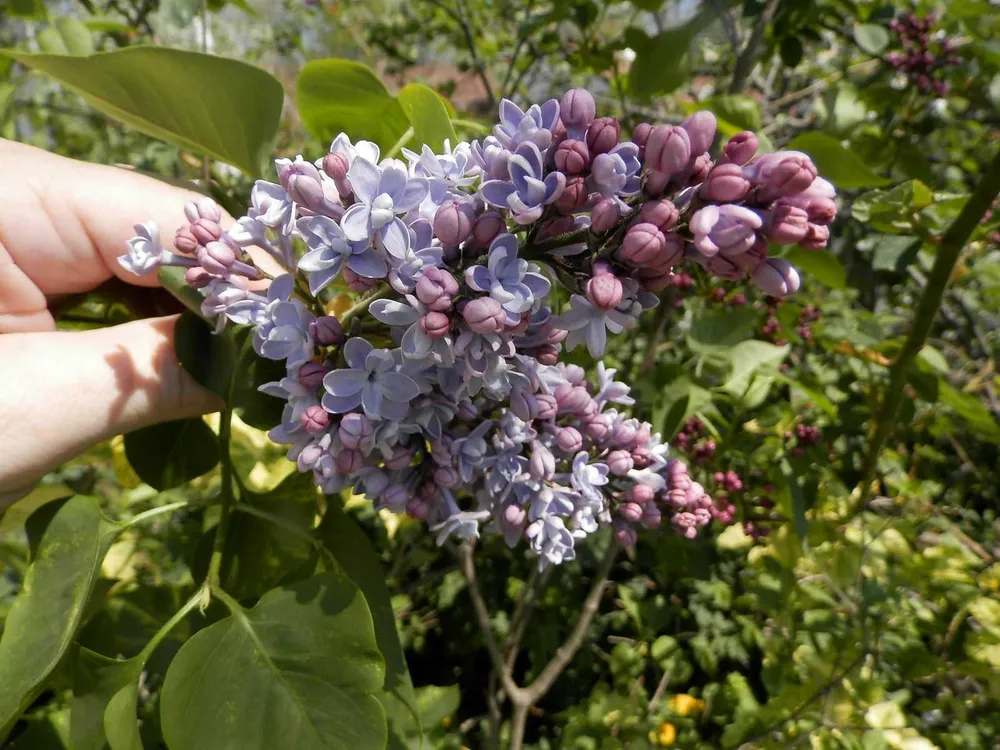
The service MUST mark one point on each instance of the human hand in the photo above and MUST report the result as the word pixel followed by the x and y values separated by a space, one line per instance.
pixel 62 225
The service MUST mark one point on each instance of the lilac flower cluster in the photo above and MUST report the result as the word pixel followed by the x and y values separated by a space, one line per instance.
pixel 924 57
pixel 439 393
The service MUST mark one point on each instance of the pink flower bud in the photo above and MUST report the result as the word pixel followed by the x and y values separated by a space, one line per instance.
pixel 446 476
pixel 698 171
pixel 640 136
pixel 185 241
pixel 348 461
pixel 487 227
pixel 668 149
pixel 655 280
pixel 311 375
pixel 355 431
pixel 596 426
pixel 577 107
pixel 315 419
pixel 630 512
pixel 572 399
pixel 542 464
pixel 484 315
pixel 395 497
pixel 216 258
pixel 620 463
pixel 401 458
pixel 327 331
pixel 662 214
pixel 700 128
pixel 642 244
pixel 336 165
pixel 625 536
pixel 557 226
pixel 816 237
pixel 641 494
pixel 569 439
pixel 356 283
pixel 547 354
pixel 602 135
pixel 725 184
pixel 642 457
pixel 573 196
pixel 651 518
pixel 548 407
pixel 604 291
pixel 205 231
pixel 781 174
pixel 572 157
pixel 741 148
pixel 514 515
pixel 418 508
pixel 197 277
pixel 435 325
pixel 786 225
pixel 656 183
pixel 435 288
pixel 453 222
pixel 604 216
pixel 203 208
pixel 776 277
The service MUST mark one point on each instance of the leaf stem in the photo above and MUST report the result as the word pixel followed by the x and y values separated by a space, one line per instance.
pixel 398 145
pixel 949 250
pixel 152 512
pixel 170 624
pixel 291 529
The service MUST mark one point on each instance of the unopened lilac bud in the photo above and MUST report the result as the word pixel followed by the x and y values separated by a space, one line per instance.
pixel 569 439
pixel 542 464
pixel 656 183
pixel 336 165
pixel 435 288
pixel 604 291
pixel 642 457
pixel 484 315
pixel 662 214
pixel 467 411
pixel 700 128
pixel 547 354
pixel 643 242
pixel 624 433
pixel 395 497
pixel 630 512
pixel 572 399
pixel 205 231
pixel 446 476
pixel 203 208
pixel 453 222
pixel 216 257
pixel 402 456
pixel 348 461
pixel 487 227
pixel 698 172
pixel 668 149
pixel 573 196
pixel 777 277
pixel 792 174
pixel 651 517
pixel 602 135
pixel 655 280
pixel 185 241
pixel 741 148
pixel 604 216
pixel 725 184
pixel 418 508
pixel 572 157
pixel 642 494
pixel 596 426
pixel 311 375
pixel 197 277
pixel 786 225
pixel 327 331
pixel 356 283
pixel 355 431
pixel 640 136
pixel 315 419
pixel 523 404
pixel 816 237
pixel 620 463
pixel 435 325
pixel 625 536
pixel 577 107
pixel 514 515
pixel 548 406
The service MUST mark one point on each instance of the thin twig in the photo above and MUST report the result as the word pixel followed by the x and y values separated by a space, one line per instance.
pixel 748 57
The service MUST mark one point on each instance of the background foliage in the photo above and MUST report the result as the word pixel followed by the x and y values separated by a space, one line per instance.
pixel 843 617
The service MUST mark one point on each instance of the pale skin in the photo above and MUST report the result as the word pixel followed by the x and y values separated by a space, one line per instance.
pixel 63 223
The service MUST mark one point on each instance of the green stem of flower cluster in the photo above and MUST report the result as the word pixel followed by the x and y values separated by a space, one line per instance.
pixel 948 252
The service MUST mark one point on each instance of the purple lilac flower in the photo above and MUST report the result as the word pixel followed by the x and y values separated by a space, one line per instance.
pixel 516 284
pixel 382 192
pixel 529 189
pixel 330 250
pixel 370 381
pixel 534 126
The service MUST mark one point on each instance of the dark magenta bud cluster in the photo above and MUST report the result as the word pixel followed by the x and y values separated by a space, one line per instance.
pixel 925 57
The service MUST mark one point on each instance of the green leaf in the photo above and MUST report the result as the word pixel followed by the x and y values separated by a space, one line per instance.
pixel 337 96
pixel 428 116
pixel 46 614
pixel 791 51
pixel 207 357
pixel 747 358
pixel 719 328
pixel 169 454
pixel 798 499
pixel 892 211
pixel 96 681
pixel 27 8
pixel 120 725
pixel 224 108
pixel 298 670
pixel 675 416
pixel 821 265
pixel 971 409
pixel 359 559
pixel 871 37
pixel 740 111
pixel 839 165
pixel 76 36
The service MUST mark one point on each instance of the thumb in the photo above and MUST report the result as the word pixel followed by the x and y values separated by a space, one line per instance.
pixel 64 391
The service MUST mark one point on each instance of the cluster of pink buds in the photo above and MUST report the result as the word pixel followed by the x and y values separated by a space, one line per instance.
pixel 925 58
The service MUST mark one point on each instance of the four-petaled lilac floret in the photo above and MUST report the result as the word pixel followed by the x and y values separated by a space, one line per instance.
pixel 371 381
pixel 529 189
pixel 513 282
pixel 534 126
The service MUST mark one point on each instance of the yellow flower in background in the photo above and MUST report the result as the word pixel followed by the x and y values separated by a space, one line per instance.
pixel 685 705
pixel 667 734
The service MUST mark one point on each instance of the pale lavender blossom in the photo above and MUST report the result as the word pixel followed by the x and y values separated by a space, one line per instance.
pixel 382 193
pixel 370 381
pixel 146 253
pixel 529 189
pixel 516 284
pixel 330 250
pixel 589 324
pixel 534 126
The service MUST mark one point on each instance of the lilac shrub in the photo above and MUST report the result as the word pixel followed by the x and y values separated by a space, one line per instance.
pixel 440 393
